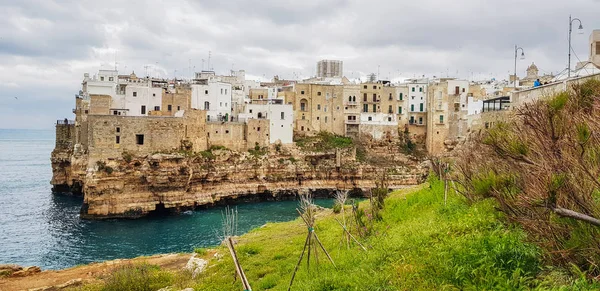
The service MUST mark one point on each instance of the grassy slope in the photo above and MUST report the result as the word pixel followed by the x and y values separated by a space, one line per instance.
pixel 420 244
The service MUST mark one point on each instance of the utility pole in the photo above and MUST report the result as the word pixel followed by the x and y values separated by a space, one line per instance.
pixel 570 30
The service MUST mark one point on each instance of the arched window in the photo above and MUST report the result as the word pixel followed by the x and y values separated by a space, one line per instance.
pixel 260 115
pixel 350 98
pixel 354 98
pixel 303 104
pixel 206 105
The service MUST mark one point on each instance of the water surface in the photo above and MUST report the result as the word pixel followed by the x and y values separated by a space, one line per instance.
pixel 43 229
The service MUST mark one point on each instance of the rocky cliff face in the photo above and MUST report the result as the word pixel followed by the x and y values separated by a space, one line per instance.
pixel 135 186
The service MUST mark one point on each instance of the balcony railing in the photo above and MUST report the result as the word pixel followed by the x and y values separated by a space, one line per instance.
pixel 65 122
pixel 355 121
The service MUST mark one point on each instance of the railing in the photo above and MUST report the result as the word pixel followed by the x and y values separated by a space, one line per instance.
pixel 65 122
pixel 352 121
pixel 351 103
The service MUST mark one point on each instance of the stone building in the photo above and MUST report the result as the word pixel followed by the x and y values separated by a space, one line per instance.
pixel 319 108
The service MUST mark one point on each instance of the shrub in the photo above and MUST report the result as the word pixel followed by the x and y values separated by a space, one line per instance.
pixel 542 168
pixel 337 208
pixel 200 251
pixel 128 157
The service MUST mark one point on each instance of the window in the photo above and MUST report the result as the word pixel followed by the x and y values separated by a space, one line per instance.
pixel 117 139
pixel 389 119
pixel 337 108
pixel 365 87
pixel 365 108
pixel 303 105
pixel 318 93
pixel 206 105
pixel 221 104
pixel 412 97
pixel 258 128
pixel 318 106
pixel 421 107
pixel 143 110
pixel 303 117
pixel 420 89
pixel 413 89
pixel 399 109
pixel 114 112
pixel 221 91
pixel 370 118
pixel 374 107
pixel 225 91
pixel 420 120
pixel 441 118
pixel 302 92
pixel 353 98
pixel 325 108
pixel 301 128
pixel 374 97
pixel 153 94
pixel 156 108
pixel 325 119
pixel 118 129
pixel 391 97
pixel 169 107
pixel 250 111
pixel 456 90
pixel 282 115
pixel 101 78
pixel 400 98
pixel 412 107
pixel 349 98
pixel 111 79
pixel 178 108
pixel 205 92
pixel 318 118
pixel 598 48
pixel 85 111
pixel 139 139
pixel 463 90
pixel 134 94
pixel 390 110
pixel 365 97
pixel 374 87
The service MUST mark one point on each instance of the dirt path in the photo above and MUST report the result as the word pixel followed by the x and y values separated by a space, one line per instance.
pixel 47 279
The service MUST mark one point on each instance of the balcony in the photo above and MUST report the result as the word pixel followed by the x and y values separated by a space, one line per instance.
pixel 415 122
pixel 350 103
pixel 355 121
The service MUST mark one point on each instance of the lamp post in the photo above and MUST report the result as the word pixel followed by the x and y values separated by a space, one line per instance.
pixel 522 57
pixel 570 30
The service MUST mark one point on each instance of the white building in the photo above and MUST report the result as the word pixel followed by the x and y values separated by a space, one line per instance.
pixel 417 101
pixel 214 97
pixel 129 95
pixel 280 116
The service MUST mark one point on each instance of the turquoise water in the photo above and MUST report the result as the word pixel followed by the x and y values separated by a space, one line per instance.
pixel 40 228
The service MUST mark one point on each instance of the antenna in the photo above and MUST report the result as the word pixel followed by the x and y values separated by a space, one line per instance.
pixel 189 67
pixel 202 64
pixel 146 69
pixel 209 61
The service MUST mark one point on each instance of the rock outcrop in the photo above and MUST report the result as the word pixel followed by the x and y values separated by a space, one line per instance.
pixel 135 186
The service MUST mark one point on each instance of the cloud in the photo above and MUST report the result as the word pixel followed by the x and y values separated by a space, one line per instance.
pixel 47 46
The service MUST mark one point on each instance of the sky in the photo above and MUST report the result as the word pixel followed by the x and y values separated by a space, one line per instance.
pixel 46 46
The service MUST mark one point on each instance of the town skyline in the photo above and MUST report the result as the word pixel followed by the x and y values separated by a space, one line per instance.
pixel 46 47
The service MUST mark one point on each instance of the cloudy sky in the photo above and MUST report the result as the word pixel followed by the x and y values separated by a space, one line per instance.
pixel 46 46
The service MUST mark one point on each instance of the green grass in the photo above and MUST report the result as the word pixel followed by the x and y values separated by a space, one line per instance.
pixel 419 244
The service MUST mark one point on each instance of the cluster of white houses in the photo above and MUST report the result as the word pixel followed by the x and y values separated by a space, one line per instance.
pixel 437 112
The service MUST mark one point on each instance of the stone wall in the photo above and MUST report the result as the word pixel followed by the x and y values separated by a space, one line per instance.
pixel 110 135
pixel 100 104
pixel 65 135
pixel 181 99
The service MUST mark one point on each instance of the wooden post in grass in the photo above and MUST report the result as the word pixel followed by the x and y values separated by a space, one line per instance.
pixel 229 228
pixel 312 240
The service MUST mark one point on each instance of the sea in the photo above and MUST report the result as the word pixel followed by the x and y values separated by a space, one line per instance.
pixel 41 228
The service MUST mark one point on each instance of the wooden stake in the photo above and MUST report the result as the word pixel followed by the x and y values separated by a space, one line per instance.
pixel 299 261
pixel 238 267
pixel 346 231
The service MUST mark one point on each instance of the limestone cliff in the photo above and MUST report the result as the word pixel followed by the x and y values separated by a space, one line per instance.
pixel 135 186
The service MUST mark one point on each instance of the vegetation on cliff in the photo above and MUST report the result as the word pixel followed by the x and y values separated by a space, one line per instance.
pixel 419 243
pixel 543 170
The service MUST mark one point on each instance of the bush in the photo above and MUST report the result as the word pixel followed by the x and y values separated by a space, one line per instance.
pixel 539 166
pixel 200 251
pixel 128 157
pixel 337 208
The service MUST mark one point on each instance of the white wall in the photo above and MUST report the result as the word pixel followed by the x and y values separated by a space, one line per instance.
pixel 144 96
pixel 218 96
pixel 418 97
pixel 474 107
pixel 280 129
pixel 378 118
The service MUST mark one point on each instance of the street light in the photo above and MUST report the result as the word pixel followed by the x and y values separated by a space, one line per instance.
pixel 580 30
pixel 522 58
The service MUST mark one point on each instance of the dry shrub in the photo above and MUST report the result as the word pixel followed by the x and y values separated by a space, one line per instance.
pixel 543 169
